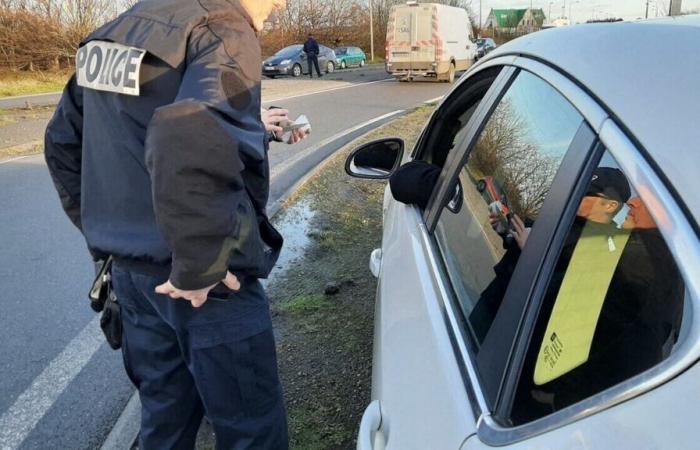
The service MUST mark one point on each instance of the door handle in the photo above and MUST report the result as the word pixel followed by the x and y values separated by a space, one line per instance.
pixel 369 426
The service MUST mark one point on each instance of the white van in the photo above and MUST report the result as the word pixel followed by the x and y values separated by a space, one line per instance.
pixel 428 39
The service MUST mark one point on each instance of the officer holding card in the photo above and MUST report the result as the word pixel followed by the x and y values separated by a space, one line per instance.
pixel 157 151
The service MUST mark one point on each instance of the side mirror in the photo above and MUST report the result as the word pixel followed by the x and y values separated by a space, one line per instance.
pixel 375 160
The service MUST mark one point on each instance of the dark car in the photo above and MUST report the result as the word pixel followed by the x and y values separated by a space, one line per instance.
pixel 483 46
pixel 292 61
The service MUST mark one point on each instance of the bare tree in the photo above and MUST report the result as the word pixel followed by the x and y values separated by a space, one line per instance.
pixel 506 152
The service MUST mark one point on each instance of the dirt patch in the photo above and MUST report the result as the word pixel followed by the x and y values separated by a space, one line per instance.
pixel 26 83
pixel 325 341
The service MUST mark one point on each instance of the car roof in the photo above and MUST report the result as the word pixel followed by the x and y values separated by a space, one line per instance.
pixel 646 75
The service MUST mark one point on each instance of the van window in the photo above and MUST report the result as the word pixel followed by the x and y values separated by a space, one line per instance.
pixel 614 304
pixel 503 185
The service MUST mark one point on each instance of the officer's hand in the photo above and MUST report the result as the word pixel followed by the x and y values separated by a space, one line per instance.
pixel 297 135
pixel 271 118
pixel 199 296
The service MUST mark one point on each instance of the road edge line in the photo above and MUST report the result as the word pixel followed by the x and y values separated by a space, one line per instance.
pixel 125 432
pixel 15 97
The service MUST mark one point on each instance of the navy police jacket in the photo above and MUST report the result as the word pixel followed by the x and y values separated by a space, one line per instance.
pixel 157 148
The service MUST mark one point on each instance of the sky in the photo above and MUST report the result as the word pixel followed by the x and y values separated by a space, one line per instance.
pixel 583 10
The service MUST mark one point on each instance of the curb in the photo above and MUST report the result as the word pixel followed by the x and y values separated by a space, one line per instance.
pixel 124 434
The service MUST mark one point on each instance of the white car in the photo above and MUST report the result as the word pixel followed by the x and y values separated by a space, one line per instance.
pixel 547 296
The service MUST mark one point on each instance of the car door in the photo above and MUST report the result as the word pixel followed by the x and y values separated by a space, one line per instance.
pixel 419 400
pixel 323 57
pixel 438 264
pixel 356 55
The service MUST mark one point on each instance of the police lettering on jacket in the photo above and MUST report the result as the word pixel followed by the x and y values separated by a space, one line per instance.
pixel 107 66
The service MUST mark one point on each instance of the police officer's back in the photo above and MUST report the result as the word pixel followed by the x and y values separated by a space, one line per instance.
pixel 157 152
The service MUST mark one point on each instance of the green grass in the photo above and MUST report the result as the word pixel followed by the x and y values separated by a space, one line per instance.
pixel 26 83
pixel 304 303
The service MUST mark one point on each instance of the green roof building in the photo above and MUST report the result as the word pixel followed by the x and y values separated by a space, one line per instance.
pixel 511 20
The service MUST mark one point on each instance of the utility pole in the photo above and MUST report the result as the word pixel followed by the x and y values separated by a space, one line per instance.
pixel 479 18
pixel 371 31
pixel 646 15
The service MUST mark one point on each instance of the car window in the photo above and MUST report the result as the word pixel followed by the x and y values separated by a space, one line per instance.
pixel 449 125
pixel 614 303
pixel 503 185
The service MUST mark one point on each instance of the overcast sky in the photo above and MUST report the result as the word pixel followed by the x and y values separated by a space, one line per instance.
pixel 583 10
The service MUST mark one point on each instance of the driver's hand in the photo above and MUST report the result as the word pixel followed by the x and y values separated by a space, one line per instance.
pixel 519 231
pixel 199 296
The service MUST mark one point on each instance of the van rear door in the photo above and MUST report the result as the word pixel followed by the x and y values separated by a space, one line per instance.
pixel 412 41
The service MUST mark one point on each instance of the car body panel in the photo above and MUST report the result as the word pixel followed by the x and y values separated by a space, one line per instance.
pixel 421 360
pixel 659 419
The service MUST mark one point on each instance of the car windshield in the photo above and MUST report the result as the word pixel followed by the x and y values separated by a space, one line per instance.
pixel 480 41
pixel 287 52
pixel 341 51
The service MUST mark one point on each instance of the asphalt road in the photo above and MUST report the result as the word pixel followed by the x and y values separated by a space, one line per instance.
pixel 30 100
pixel 60 385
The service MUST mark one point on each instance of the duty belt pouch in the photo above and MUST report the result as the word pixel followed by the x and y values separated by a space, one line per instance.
pixel 111 321
pixel 104 300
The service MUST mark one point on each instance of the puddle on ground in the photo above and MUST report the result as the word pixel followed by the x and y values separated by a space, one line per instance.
pixel 294 224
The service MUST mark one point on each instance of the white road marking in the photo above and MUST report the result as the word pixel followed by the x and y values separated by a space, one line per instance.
pixel 15 97
pixel 21 418
pixel 327 90
pixel 16 159
pixel 434 100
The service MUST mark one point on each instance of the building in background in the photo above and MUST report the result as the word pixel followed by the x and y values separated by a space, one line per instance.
pixel 512 21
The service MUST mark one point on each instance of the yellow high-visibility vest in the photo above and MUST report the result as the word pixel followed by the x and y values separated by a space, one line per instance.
pixel 569 335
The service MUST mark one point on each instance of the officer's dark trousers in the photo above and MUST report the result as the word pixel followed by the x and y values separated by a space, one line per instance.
pixel 217 360
pixel 313 59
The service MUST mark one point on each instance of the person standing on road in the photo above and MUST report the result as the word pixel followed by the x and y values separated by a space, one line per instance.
pixel 157 151
pixel 312 50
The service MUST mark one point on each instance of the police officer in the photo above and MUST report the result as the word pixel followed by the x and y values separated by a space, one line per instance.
pixel 157 151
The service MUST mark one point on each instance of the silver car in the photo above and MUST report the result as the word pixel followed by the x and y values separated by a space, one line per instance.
pixel 547 297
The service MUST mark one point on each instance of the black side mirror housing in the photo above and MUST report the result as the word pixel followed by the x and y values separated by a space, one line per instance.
pixel 375 160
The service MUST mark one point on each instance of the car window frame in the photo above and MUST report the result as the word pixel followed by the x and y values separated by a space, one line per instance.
pixel 491 366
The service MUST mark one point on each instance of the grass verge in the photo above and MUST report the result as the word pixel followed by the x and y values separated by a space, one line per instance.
pixel 325 341
pixel 13 83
